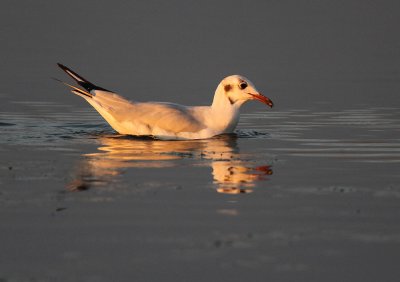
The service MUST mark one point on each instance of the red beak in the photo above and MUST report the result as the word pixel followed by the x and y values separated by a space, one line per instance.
pixel 262 98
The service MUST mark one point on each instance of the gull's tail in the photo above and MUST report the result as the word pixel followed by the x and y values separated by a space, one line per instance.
pixel 74 89
pixel 87 85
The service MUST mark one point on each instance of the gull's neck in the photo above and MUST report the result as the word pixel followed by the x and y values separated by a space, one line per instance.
pixel 224 114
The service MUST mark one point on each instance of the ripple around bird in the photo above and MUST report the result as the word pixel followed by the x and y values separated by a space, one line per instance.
pixel 368 135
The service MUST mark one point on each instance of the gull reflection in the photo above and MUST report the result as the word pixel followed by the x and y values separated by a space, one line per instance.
pixel 232 172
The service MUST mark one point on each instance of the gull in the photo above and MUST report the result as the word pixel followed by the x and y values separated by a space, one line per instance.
pixel 170 121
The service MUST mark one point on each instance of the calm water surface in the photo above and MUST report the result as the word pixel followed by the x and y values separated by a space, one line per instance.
pixel 239 162
pixel 293 191
pixel 292 179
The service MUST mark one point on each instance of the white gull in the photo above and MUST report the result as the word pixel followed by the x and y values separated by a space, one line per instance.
pixel 168 120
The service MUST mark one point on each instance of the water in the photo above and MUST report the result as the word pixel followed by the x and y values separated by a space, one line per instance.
pixel 306 191
pixel 291 191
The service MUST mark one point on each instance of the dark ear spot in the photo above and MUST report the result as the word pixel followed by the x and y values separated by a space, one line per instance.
pixel 228 87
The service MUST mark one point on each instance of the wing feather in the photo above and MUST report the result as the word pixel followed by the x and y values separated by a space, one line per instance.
pixel 165 116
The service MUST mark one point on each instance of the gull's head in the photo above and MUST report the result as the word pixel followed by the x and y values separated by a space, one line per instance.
pixel 238 90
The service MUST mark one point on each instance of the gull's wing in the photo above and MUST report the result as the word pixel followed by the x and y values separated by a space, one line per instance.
pixel 128 117
pixel 144 117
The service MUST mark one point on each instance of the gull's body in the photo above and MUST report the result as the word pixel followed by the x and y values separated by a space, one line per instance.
pixel 168 120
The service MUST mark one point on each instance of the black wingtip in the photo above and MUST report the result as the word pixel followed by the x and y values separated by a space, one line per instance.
pixel 71 73
pixel 80 80
pixel 64 68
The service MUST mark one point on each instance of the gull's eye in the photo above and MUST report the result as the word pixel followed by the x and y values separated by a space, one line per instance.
pixel 243 85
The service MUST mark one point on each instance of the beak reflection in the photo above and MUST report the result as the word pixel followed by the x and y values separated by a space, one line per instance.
pixel 231 172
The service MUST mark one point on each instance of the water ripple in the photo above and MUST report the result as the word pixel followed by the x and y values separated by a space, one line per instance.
pixel 38 123
pixel 366 134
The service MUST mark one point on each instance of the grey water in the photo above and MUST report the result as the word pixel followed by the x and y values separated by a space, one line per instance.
pixel 306 191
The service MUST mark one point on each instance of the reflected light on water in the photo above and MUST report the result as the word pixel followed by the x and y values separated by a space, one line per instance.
pixel 237 177
pixel 232 173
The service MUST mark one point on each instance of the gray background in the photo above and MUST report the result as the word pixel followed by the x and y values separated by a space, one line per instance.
pixel 296 52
